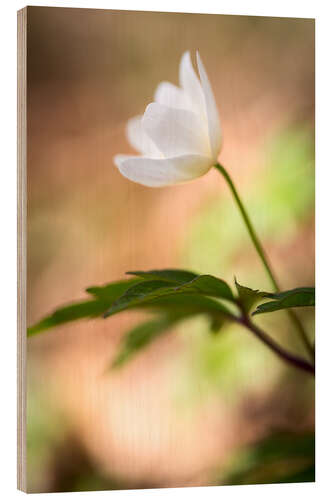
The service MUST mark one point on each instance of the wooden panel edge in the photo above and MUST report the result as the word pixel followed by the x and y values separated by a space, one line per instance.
pixel 21 245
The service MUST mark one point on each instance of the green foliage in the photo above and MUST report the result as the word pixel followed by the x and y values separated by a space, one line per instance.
pixel 298 297
pixel 141 335
pixel 175 295
pixel 86 309
pixel 188 303
pixel 174 309
pixel 155 294
pixel 173 275
pixel 278 458
pixel 247 296
pixel 148 290
pixel 72 312
pixel 111 291
pixel 209 285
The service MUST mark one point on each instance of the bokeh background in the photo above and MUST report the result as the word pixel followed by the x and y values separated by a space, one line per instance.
pixel 191 409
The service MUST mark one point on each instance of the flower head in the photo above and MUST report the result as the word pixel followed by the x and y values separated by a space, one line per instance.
pixel 179 134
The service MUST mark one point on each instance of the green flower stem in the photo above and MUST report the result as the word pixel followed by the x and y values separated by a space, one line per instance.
pixel 263 256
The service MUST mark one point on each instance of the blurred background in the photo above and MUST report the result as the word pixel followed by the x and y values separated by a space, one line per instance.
pixel 191 409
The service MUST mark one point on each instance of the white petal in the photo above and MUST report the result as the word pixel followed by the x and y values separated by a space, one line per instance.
pixel 190 83
pixel 175 131
pixel 214 125
pixel 139 140
pixel 119 159
pixel 164 171
pixel 172 96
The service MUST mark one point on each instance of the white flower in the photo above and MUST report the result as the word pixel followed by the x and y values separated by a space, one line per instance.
pixel 179 134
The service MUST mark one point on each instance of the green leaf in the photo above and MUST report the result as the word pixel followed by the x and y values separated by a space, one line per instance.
pixel 112 291
pixel 172 275
pixel 306 475
pixel 149 290
pixel 72 312
pixel 278 458
pixel 204 283
pixel 216 324
pixel 104 296
pixel 298 297
pixel 138 294
pixel 306 290
pixel 209 285
pixel 175 309
pixel 247 296
pixel 142 335
pixel 186 303
pixel 173 301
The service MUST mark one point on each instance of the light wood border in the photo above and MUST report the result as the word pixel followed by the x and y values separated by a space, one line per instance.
pixel 21 244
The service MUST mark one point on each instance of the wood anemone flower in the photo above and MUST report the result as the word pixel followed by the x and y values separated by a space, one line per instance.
pixel 179 134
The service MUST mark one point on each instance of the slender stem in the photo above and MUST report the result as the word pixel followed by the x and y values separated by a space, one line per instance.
pixel 298 362
pixel 263 256
pixel 249 226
